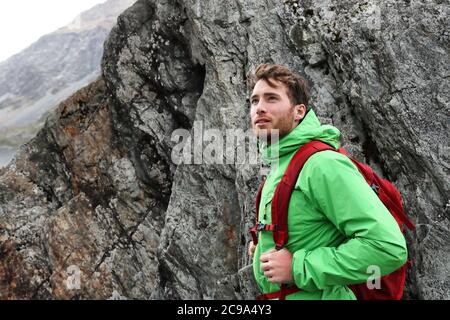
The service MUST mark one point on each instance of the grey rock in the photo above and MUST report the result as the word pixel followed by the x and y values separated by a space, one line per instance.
pixel 98 188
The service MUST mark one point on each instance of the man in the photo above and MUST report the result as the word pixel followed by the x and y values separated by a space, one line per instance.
pixel 339 231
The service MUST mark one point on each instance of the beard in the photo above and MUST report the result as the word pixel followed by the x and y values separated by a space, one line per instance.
pixel 276 129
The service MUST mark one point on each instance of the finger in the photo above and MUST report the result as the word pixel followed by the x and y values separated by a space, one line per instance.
pixel 265 267
pixel 274 280
pixel 266 255
pixel 268 274
pixel 264 258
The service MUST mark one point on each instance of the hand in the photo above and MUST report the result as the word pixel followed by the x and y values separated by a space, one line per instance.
pixel 277 266
pixel 251 249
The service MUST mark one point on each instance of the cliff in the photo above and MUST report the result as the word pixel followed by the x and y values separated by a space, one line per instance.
pixel 96 207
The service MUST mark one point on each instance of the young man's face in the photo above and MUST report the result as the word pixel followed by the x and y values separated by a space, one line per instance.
pixel 272 110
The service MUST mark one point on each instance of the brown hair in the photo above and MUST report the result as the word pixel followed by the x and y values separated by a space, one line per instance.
pixel 297 88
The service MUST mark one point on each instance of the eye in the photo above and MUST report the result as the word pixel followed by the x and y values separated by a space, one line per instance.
pixel 254 101
pixel 272 98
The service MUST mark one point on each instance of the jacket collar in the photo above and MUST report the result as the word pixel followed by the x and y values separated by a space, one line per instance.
pixel 308 129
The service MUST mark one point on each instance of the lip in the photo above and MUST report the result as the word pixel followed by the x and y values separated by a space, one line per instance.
pixel 262 121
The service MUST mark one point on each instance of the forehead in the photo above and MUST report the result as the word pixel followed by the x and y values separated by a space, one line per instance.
pixel 262 87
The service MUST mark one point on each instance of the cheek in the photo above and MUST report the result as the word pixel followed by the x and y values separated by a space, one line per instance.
pixel 281 116
pixel 275 112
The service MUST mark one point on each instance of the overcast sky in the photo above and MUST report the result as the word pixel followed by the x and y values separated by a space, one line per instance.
pixel 22 22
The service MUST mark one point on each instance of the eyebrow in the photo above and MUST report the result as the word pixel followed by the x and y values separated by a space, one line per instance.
pixel 265 94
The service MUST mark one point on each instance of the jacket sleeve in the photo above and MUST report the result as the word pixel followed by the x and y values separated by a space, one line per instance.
pixel 374 241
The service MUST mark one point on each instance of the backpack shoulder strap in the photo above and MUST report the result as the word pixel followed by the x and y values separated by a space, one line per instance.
pixel 285 187
pixel 254 230
pixel 258 200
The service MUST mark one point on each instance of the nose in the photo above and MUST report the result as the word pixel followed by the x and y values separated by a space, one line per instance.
pixel 260 107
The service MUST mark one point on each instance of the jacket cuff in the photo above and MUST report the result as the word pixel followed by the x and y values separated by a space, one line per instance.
pixel 299 272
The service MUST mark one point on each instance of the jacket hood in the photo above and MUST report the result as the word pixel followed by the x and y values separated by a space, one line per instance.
pixel 309 129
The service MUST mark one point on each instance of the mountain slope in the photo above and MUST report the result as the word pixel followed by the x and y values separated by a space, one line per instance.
pixel 39 77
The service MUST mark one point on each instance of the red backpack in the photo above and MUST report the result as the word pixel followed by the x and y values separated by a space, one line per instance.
pixel 392 284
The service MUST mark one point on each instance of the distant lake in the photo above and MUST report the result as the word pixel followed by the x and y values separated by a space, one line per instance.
pixel 6 156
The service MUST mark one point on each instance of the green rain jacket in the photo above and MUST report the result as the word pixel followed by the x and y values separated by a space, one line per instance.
pixel 339 231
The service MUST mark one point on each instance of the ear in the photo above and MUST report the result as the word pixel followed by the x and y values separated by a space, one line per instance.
pixel 299 112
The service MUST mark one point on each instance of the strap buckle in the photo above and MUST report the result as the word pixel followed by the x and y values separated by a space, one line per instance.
pixel 260 227
pixel 266 227
pixel 375 187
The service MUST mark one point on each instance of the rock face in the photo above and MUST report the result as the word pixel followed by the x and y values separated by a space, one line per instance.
pixel 35 80
pixel 96 206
